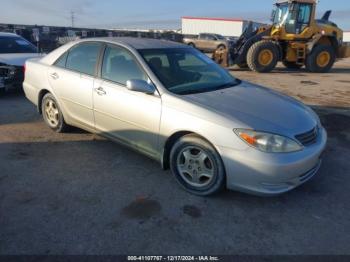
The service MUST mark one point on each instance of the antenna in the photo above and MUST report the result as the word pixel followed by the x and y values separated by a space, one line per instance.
pixel 72 17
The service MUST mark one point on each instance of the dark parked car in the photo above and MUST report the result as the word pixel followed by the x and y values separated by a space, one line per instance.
pixel 14 51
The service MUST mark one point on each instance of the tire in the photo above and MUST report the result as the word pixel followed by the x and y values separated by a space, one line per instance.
pixel 316 64
pixel 291 65
pixel 192 154
pixel 256 56
pixel 52 114
pixel 221 47
pixel 192 45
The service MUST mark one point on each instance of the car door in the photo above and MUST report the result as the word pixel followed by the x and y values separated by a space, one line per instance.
pixel 72 78
pixel 212 43
pixel 129 116
pixel 200 44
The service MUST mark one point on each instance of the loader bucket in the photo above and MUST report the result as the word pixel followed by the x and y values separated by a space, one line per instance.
pixel 344 51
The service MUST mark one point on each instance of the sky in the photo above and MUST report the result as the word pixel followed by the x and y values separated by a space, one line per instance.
pixel 148 14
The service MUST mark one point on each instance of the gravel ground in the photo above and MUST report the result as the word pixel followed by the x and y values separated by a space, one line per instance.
pixel 77 193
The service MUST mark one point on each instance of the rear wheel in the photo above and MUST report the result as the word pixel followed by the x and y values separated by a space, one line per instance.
pixel 52 114
pixel 262 56
pixel 221 48
pixel 197 166
pixel 292 65
pixel 321 59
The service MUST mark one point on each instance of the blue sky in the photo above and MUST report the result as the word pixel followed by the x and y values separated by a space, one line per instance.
pixel 145 14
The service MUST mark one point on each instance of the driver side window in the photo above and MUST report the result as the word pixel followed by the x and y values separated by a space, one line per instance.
pixel 120 66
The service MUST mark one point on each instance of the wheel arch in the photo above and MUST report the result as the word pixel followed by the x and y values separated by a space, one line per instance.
pixel 221 45
pixel 42 93
pixel 170 142
pixel 328 40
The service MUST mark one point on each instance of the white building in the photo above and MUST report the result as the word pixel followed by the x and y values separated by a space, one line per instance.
pixel 222 26
pixel 346 36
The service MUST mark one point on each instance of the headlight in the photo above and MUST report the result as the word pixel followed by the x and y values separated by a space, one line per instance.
pixel 267 142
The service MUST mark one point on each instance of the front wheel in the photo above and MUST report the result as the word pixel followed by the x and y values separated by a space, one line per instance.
pixel 321 59
pixel 52 114
pixel 262 56
pixel 197 166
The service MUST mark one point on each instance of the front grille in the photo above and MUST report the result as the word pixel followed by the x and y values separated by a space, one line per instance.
pixel 4 71
pixel 308 138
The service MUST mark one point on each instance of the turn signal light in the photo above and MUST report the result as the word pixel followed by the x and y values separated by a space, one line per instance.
pixel 249 139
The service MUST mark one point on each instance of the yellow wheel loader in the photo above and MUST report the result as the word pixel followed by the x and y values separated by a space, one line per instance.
pixel 295 38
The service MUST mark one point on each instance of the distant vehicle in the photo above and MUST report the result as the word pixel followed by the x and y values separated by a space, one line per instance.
pixel 174 104
pixel 295 37
pixel 208 42
pixel 14 51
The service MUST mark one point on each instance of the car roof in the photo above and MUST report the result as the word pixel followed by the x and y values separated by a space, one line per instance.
pixel 8 34
pixel 139 43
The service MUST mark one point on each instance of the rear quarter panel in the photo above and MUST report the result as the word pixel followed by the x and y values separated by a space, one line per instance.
pixel 35 79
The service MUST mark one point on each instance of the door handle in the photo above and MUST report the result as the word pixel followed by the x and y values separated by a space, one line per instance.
pixel 100 91
pixel 54 76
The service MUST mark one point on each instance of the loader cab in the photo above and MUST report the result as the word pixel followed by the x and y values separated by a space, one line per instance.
pixel 294 16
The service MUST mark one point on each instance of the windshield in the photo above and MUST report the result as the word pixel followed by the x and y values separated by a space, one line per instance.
pixel 281 14
pixel 11 45
pixel 187 71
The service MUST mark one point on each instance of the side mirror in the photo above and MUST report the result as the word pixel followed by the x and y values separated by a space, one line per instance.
pixel 140 86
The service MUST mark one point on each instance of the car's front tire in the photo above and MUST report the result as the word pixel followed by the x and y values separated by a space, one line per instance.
pixel 52 114
pixel 197 166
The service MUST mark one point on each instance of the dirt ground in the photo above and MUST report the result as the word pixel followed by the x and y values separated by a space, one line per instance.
pixel 331 89
pixel 78 193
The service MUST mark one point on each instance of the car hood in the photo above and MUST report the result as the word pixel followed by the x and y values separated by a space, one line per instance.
pixel 17 59
pixel 251 106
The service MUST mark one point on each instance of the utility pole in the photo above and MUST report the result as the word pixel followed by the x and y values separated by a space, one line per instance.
pixel 72 17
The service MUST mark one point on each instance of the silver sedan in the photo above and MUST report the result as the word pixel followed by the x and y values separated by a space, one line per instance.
pixel 174 104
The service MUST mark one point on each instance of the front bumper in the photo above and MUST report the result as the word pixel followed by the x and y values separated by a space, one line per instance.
pixel 11 77
pixel 259 173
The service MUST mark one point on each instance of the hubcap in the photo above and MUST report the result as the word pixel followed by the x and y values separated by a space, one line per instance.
pixel 265 57
pixel 323 59
pixel 51 112
pixel 195 166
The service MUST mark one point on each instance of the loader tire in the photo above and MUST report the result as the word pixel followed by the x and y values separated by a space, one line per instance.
pixel 291 65
pixel 321 59
pixel 263 56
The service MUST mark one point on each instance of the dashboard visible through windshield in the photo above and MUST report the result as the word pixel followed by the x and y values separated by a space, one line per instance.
pixel 187 71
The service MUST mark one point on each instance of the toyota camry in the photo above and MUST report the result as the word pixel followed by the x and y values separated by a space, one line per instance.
pixel 174 104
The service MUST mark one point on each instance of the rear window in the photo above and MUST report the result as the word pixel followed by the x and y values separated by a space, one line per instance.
pixel 12 45
pixel 82 58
